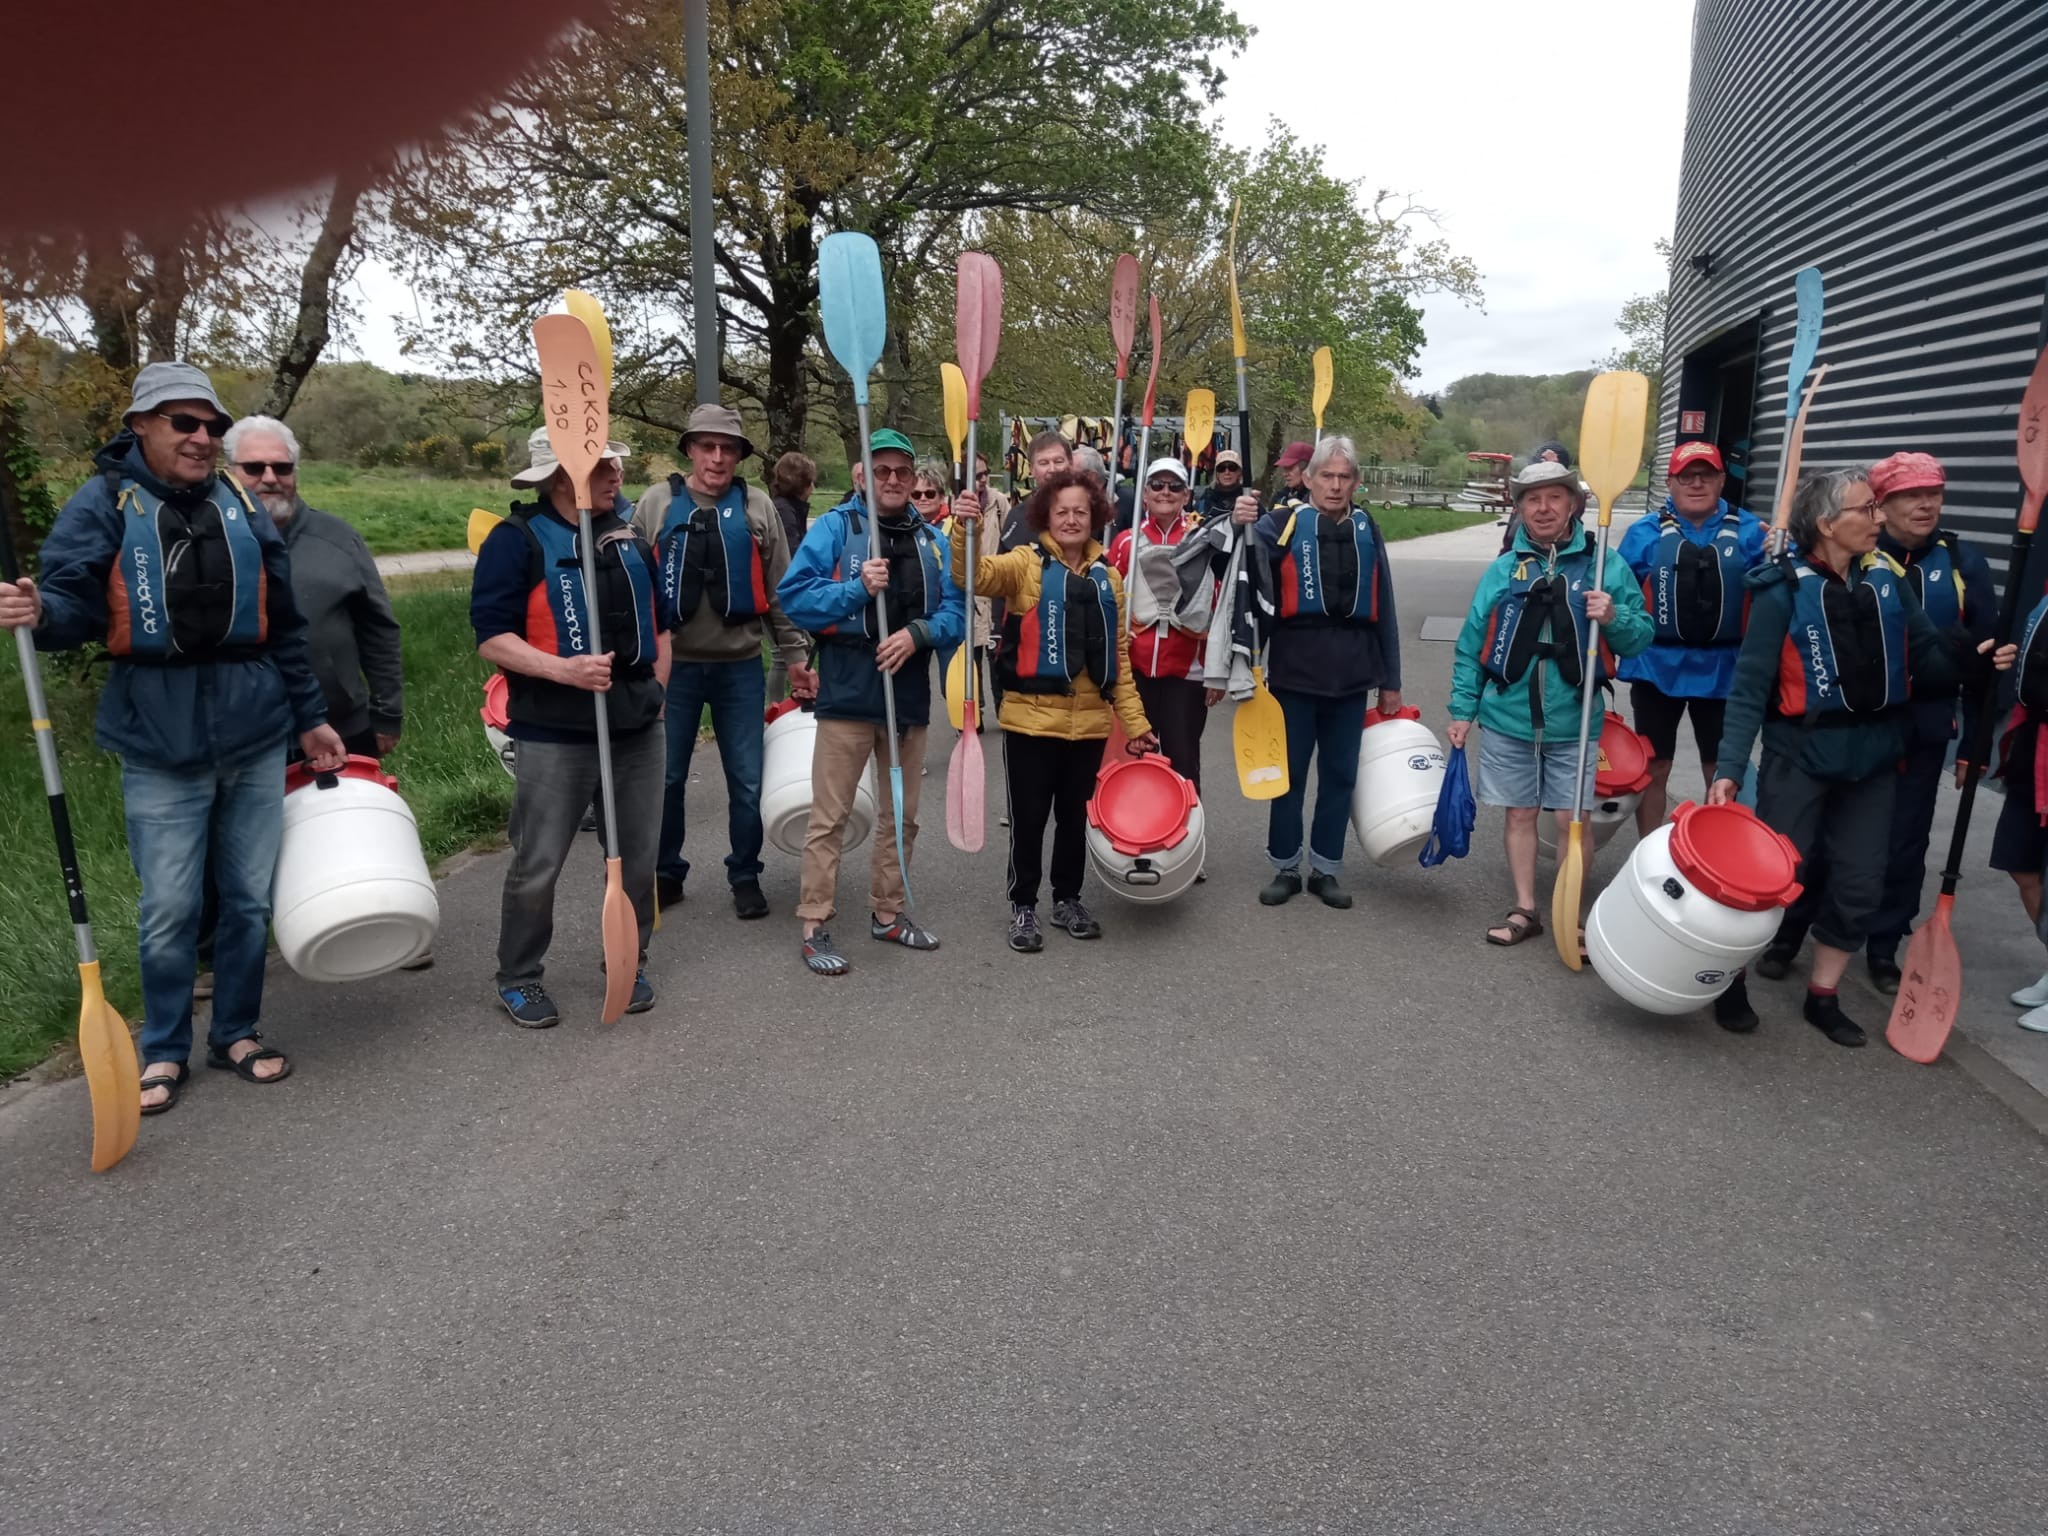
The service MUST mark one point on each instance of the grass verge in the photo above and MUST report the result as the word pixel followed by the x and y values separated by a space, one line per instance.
pixel 1414 522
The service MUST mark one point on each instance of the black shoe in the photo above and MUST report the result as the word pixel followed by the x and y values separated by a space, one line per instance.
pixel 1732 1011
pixel 589 821
pixel 1076 919
pixel 1825 1014
pixel 1282 888
pixel 643 994
pixel 667 891
pixel 1885 974
pixel 1326 886
pixel 1024 935
pixel 1775 964
pixel 530 1007
pixel 748 901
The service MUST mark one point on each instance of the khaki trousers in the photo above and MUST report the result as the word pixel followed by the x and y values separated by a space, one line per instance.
pixel 837 762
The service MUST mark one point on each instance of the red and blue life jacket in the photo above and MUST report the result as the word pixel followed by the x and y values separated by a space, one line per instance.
pixel 711 552
pixel 1845 652
pixel 914 590
pixel 558 622
pixel 1695 593
pixel 2030 677
pixel 1329 569
pixel 1936 579
pixel 1071 629
pixel 188 583
pixel 1541 615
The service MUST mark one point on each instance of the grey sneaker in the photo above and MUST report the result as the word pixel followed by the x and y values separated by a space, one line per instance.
pixel 1076 919
pixel 1024 935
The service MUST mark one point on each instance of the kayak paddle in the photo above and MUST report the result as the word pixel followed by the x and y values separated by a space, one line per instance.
pixel 953 387
pixel 1810 294
pixel 1324 380
pixel 1123 331
pixel 1237 351
pixel 585 307
pixel 1610 453
pixel 1117 744
pixel 977 330
pixel 481 523
pixel 1198 426
pixel 577 410
pixel 1931 986
pixel 856 314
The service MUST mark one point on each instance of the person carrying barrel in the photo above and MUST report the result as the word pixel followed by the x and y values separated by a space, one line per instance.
pixel 2020 844
pixel 1166 660
pixel 1691 558
pixel 1520 670
pixel 1327 593
pixel 1064 664
pixel 1836 644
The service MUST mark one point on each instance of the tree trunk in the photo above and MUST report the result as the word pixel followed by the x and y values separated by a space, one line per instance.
pixel 310 333
pixel 792 274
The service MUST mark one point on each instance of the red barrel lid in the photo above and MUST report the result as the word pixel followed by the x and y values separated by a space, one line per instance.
pixel 1624 760
pixel 1732 856
pixel 495 712
pixel 299 775
pixel 1141 805
pixel 1374 716
pixel 780 708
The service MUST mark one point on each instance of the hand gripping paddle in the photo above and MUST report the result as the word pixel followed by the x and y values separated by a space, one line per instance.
pixel 977 330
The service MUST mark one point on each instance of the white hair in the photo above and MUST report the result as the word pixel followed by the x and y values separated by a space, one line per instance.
pixel 1090 462
pixel 270 424
pixel 1332 447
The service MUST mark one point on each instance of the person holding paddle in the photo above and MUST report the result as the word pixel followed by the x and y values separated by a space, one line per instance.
pixel 1834 635
pixel 844 562
pixel 530 607
pixel 1166 660
pixel 1064 664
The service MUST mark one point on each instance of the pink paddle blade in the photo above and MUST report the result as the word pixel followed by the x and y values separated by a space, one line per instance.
pixel 1152 377
pixel 977 321
pixel 1930 991
pixel 1123 311
pixel 2034 443
pixel 966 787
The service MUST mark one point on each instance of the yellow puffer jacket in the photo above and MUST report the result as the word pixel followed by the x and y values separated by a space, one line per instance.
pixel 1078 716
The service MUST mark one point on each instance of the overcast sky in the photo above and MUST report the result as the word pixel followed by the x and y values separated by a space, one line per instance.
pixel 1546 137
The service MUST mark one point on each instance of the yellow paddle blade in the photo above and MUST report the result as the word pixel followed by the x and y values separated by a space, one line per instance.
pixel 1564 897
pixel 1198 428
pixel 956 688
pixel 480 525
pixel 1236 309
pixel 586 308
pixel 1258 735
pixel 1611 438
pixel 954 383
pixel 621 944
pixel 113 1077
pixel 1325 380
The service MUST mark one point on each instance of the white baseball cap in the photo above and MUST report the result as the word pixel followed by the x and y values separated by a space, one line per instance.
pixel 1172 467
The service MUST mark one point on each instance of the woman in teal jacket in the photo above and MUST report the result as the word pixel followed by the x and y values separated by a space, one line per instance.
pixel 1520 667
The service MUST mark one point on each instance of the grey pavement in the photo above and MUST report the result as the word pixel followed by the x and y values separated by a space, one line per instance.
pixel 426 561
pixel 1240 1220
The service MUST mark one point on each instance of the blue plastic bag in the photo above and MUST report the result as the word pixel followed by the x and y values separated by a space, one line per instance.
pixel 1451 835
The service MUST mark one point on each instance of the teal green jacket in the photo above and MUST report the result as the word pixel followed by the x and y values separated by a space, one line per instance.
pixel 1507 711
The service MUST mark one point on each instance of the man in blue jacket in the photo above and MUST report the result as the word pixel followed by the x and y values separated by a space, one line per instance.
pixel 844 561
pixel 186 583
pixel 1691 558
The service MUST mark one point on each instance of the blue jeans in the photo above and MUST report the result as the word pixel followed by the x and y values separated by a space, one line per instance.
pixel 175 818
pixel 736 692
pixel 1332 731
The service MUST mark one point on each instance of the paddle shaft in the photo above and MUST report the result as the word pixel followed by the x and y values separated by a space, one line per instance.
pixel 604 734
pixel 870 504
pixel 1137 521
pixel 1116 436
pixel 973 667
pixel 1592 679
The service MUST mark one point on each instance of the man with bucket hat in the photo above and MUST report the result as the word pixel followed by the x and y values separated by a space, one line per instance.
pixel 187 584
pixel 722 548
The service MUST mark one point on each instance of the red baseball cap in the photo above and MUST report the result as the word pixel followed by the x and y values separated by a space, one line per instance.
pixel 1906 472
pixel 1295 453
pixel 1687 454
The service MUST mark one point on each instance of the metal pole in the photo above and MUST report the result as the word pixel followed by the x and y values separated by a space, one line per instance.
pixel 697 48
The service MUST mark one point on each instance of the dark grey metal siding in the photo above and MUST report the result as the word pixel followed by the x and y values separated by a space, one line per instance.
pixel 1902 147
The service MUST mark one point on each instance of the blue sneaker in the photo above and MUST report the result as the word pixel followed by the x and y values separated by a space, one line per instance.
pixel 532 1008
pixel 643 994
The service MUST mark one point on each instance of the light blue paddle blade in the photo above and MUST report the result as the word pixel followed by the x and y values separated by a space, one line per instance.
pixel 896 795
pixel 856 312
pixel 1805 340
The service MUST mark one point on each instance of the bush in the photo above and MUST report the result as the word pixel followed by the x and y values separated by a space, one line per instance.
pixel 488 456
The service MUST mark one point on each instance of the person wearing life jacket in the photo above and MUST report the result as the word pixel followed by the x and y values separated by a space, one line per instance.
pixel 1064 665
pixel 1836 643
pixel 1519 671
pixel 1327 591
pixel 532 615
pixel 2019 846
pixel 721 549
pixel 1048 453
pixel 184 580
pixel 791 483
pixel 848 557
pixel 1691 559
pixel 1226 484
pixel 1166 660
pixel 1954 587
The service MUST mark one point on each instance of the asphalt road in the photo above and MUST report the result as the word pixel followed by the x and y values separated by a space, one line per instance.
pixel 1241 1220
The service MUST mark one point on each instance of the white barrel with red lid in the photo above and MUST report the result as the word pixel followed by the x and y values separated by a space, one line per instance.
pixel 498 722
pixel 786 749
pixel 1400 776
pixel 352 896
pixel 1698 900
pixel 1622 774
pixel 1145 830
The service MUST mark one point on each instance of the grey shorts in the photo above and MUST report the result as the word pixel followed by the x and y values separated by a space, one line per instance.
pixel 1511 774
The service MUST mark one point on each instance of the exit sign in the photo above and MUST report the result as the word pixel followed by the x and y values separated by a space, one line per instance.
pixel 1692 421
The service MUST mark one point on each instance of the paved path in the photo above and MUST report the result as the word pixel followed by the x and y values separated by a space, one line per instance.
pixel 429 560
pixel 1241 1220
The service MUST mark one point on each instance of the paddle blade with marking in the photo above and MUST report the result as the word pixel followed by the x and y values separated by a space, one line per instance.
pixel 1258 737
pixel 1325 381
pixel 1930 989
pixel 1198 425
pixel 1123 311
pixel 574 402
pixel 586 308
pixel 855 305
pixel 1611 435
pixel 480 525
pixel 1810 294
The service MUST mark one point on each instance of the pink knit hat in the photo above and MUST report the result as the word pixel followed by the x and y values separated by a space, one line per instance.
pixel 1906 472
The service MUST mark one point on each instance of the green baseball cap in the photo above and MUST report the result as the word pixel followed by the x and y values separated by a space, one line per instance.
pixel 888 438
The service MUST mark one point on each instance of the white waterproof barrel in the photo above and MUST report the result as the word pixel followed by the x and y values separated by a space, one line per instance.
pixel 1145 830
pixel 1697 901
pixel 1400 775
pixel 352 896
pixel 786 782
pixel 1622 774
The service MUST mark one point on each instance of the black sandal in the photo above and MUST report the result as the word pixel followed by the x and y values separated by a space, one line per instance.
pixel 245 1069
pixel 1531 927
pixel 160 1079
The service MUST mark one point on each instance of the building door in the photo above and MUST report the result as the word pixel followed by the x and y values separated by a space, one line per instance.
pixel 1717 399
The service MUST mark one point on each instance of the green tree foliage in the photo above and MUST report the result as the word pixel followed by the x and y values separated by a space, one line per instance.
pixel 1503 413
pixel 1641 322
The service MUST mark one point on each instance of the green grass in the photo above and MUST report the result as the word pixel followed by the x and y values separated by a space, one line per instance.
pixel 1414 522
pixel 401 513
pixel 445 770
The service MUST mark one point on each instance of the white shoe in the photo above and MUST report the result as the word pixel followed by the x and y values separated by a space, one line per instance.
pixel 2036 1020
pixel 2032 997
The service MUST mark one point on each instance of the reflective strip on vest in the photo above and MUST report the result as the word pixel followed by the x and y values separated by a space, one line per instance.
pixel 141 592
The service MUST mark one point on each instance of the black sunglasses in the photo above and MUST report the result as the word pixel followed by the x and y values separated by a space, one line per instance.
pixel 923 495
pixel 212 426
pixel 1163 483
pixel 284 469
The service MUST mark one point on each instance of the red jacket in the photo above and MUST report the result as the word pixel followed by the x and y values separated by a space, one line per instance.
pixel 1159 650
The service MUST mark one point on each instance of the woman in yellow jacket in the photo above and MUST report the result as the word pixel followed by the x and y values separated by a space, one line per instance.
pixel 1062 641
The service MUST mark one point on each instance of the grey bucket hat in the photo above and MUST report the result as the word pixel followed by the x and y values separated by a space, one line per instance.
pixel 544 464
pixel 1543 472
pixel 721 419
pixel 161 384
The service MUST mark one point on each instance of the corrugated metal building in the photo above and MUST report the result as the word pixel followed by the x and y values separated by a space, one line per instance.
pixel 1902 147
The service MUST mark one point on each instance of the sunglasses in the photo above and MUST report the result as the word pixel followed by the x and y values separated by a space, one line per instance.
pixel 895 472
pixel 212 426
pixel 284 469
pixel 921 495
pixel 1163 483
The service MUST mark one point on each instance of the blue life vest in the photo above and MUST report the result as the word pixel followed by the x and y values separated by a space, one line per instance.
pixel 1936 579
pixel 188 583
pixel 2030 678
pixel 557 608
pixel 707 552
pixel 1328 570
pixel 1695 592
pixel 914 590
pixel 1071 629
pixel 1845 652
pixel 1541 613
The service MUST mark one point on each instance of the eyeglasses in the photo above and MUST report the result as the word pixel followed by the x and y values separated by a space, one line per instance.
pixel 212 426
pixel 1697 477
pixel 895 472
pixel 921 495
pixel 1163 483
pixel 284 469
pixel 1868 509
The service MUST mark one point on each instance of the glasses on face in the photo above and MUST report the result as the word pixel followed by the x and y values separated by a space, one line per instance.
pixel 894 472
pixel 1693 479
pixel 1862 509
pixel 925 494
pixel 212 426
pixel 284 469
pixel 1163 483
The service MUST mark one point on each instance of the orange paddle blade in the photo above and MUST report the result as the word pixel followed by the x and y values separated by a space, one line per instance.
pixel 1123 311
pixel 112 1075
pixel 1930 991
pixel 621 944
pixel 1565 896
pixel 575 404
pixel 2034 443
pixel 1795 447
